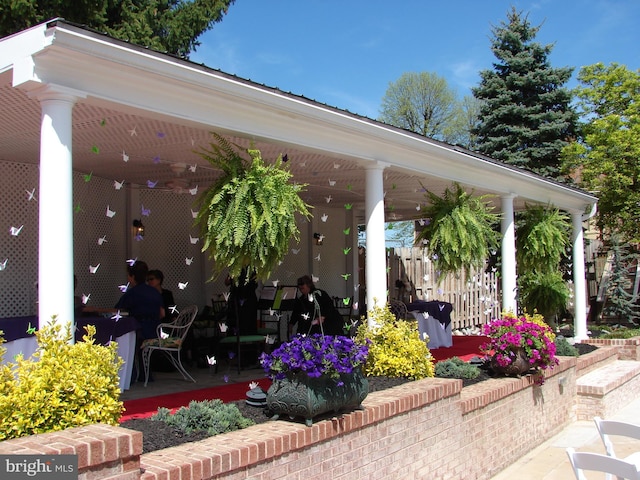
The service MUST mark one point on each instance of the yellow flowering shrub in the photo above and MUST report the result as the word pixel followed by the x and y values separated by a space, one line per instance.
pixel 396 349
pixel 65 385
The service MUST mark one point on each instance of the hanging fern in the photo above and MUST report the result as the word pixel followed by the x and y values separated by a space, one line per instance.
pixel 547 293
pixel 460 231
pixel 542 235
pixel 248 216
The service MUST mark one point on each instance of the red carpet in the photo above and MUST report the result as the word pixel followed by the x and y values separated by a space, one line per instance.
pixel 145 407
pixel 463 347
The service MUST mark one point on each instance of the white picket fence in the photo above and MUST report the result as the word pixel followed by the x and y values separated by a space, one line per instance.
pixel 475 297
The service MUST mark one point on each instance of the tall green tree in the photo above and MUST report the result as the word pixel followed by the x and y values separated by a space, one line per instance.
pixel 171 26
pixel 605 158
pixel 425 104
pixel 620 302
pixel 525 115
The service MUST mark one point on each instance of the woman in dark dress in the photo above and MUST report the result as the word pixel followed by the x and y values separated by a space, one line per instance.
pixel 314 311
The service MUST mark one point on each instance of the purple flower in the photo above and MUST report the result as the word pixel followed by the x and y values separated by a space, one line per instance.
pixel 315 355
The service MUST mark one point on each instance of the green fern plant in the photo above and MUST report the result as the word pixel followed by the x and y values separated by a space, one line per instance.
pixel 248 216
pixel 542 236
pixel 460 232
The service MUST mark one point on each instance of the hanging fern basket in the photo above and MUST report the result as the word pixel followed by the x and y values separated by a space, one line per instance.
pixel 248 216
pixel 460 231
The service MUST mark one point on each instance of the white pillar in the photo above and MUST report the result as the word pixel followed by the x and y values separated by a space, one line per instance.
pixel 376 260
pixel 508 251
pixel 55 252
pixel 579 280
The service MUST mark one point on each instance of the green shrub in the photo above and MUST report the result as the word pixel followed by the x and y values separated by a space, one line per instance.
pixel 396 349
pixel 622 332
pixel 65 385
pixel 564 348
pixel 456 368
pixel 211 416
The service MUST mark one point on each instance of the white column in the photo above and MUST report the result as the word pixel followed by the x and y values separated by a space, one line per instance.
pixel 55 252
pixel 508 250
pixel 579 280
pixel 376 260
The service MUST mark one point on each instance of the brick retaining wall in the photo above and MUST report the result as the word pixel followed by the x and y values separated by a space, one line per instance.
pixel 431 429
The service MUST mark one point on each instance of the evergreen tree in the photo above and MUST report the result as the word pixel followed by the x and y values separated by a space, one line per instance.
pixel 525 116
pixel 171 26
pixel 619 302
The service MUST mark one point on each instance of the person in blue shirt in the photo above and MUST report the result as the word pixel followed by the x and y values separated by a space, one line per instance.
pixel 144 303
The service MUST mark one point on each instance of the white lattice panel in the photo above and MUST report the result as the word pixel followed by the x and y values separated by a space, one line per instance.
pixel 18 253
pixel 99 239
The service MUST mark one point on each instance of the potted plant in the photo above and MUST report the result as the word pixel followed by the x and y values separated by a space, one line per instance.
pixel 248 215
pixel 542 235
pixel 459 233
pixel 518 345
pixel 315 374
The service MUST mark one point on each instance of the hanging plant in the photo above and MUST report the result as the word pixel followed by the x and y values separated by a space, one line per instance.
pixel 460 232
pixel 546 293
pixel 542 235
pixel 248 216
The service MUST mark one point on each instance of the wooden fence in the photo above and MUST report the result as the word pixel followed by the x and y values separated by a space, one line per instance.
pixel 475 297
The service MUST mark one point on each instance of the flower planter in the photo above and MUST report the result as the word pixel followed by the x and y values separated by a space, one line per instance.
pixel 519 364
pixel 301 396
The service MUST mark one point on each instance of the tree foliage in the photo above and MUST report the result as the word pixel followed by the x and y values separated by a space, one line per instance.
pixel 525 114
pixel 619 302
pixel 171 26
pixel 605 159
pixel 459 234
pixel 248 216
pixel 425 104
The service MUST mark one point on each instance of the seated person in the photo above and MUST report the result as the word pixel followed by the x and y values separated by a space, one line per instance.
pixel 155 278
pixel 142 301
pixel 314 310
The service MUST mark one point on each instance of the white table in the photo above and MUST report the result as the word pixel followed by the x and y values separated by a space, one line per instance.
pixel 126 351
pixel 26 346
pixel 439 335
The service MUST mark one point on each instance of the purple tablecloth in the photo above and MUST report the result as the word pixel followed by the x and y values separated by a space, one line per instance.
pixel 106 328
pixel 17 327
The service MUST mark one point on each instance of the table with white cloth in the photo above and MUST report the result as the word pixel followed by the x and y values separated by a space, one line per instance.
pixel 434 320
pixel 19 338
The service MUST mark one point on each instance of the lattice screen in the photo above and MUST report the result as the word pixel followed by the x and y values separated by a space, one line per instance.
pixel 99 239
pixel 18 253
pixel 107 242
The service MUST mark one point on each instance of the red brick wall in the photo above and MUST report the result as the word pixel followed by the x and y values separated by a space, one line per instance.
pixel 426 429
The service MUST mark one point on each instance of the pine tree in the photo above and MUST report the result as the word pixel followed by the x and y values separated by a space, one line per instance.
pixel 619 302
pixel 171 26
pixel 525 115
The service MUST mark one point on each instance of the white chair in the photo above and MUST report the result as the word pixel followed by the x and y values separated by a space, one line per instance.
pixel 170 340
pixel 595 462
pixel 623 429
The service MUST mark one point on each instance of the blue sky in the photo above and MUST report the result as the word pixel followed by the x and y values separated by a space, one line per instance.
pixel 346 52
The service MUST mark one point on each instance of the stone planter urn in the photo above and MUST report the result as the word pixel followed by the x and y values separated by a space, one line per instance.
pixel 519 364
pixel 307 397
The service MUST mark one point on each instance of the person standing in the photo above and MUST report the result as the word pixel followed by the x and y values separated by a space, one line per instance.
pixel 314 311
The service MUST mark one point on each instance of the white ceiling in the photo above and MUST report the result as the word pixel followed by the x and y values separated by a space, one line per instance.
pixel 327 149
